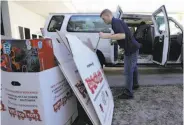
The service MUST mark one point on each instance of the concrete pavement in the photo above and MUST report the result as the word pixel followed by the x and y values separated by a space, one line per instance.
pixel 148 76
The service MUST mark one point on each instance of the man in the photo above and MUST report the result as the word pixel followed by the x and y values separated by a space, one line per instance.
pixel 125 40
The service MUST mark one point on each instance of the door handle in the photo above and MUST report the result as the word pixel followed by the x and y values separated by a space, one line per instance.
pixel 161 38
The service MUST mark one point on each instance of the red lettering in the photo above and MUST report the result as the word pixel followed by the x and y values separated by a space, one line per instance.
pixel 33 115
pixel 91 84
pixel 94 80
pixel 100 76
pixel 21 115
pixel 12 111
pixel 64 99
pixel 26 114
pixel 57 105
pixel 37 115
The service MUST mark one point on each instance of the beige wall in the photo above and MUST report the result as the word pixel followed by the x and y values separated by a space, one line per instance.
pixel 20 16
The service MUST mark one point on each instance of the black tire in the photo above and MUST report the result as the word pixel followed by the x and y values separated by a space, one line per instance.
pixel 101 58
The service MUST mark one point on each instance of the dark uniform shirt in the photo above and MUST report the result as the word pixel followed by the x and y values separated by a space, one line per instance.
pixel 119 26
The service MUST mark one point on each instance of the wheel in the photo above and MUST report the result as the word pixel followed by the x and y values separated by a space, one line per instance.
pixel 100 57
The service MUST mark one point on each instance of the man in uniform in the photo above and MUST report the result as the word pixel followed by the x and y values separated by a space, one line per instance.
pixel 125 40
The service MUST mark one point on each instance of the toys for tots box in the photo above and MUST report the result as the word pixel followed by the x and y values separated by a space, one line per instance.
pixel 31 96
pixel 27 55
pixel 43 98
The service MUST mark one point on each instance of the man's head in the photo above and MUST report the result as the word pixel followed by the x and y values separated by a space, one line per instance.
pixel 107 16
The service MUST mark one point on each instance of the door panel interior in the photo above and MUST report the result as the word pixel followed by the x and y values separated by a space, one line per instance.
pixel 158 43
pixel 175 47
pixel 176 38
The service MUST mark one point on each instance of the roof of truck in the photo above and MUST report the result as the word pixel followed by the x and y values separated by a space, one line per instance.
pixel 74 13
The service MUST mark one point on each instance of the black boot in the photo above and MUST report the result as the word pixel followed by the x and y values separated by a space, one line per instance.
pixel 125 95
pixel 135 86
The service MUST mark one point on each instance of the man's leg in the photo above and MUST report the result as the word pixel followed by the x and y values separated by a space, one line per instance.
pixel 128 71
pixel 135 74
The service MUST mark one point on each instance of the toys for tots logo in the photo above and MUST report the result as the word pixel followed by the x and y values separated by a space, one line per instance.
pixel 22 115
pixel 63 101
pixel 94 80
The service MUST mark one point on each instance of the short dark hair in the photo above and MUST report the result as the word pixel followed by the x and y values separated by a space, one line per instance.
pixel 105 11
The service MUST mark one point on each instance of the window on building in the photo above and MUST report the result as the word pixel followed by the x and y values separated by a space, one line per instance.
pixel 27 33
pixel 40 37
pixel 34 36
pixel 2 26
pixel 55 23
pixel 21 32
pixel 89 23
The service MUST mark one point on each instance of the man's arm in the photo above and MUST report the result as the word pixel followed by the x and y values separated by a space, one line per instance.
pixel 118 36
pixel 119 32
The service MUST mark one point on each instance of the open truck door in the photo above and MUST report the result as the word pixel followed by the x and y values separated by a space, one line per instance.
pixel 118 13
pixel 162 36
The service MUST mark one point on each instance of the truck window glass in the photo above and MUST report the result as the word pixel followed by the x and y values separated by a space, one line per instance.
pixel 160 22
pixel 55 23
pixel 174 29
pixel 87 23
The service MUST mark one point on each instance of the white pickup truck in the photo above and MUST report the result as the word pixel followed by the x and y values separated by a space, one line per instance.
pixel 162 42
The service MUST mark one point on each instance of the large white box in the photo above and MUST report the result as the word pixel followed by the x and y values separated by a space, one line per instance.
pixel 42 98
pixel 93 78
pixel 69 69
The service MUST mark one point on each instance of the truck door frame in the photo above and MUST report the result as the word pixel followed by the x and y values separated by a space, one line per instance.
pixel 162 38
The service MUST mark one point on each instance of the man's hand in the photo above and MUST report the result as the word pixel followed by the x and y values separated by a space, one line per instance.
pixel 104 35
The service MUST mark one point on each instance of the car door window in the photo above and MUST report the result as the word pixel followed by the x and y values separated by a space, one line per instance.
pixel 87 23
pixel 174 28
pixel 55 23
pixel 160 22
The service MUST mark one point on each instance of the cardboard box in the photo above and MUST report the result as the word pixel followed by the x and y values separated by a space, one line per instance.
pixel 93 78
pixel 69 69
pixel 42 98
pixel 27 55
